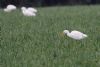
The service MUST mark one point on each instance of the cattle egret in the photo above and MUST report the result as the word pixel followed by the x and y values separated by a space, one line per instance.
pixel 27 12
pixel 75 34
pixel 10 8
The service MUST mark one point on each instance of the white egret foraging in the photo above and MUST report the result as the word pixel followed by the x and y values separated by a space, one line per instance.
pixel 75 34
pixel 10 8
pixel 26 12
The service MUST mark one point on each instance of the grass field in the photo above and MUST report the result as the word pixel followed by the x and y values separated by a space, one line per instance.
pixel 37 41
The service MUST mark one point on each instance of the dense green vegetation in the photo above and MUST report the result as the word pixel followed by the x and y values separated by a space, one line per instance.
pixel 38 42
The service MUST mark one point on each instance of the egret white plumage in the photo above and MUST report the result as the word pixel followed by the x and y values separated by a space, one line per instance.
pixel 10 8
pixel 32 9
pixel 26 12
pixel 75 34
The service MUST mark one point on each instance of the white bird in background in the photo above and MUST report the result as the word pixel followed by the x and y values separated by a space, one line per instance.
pixel 75 34
pixel 32 9
pixel 26 12
pixel 10 8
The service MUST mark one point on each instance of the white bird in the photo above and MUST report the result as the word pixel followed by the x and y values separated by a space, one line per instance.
pixel 27 12
pixel 10 8
pixel 32 9
pixel 75 34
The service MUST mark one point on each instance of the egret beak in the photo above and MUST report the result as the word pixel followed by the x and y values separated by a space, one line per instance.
pixel 61 34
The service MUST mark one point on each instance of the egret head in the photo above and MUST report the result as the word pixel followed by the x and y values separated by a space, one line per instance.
pixel 7 10
pixel 23 8
pixel 85 35
pixel 65 31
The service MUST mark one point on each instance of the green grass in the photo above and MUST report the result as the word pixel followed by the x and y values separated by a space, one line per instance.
pixel 37 41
